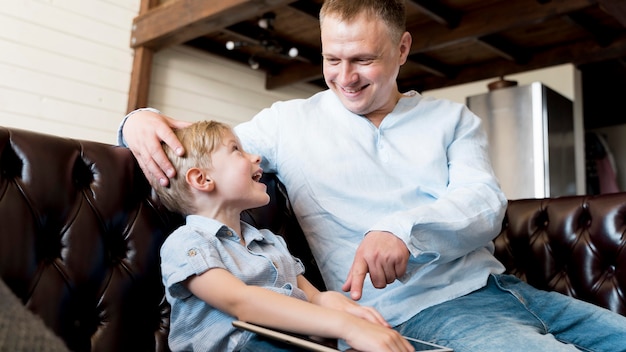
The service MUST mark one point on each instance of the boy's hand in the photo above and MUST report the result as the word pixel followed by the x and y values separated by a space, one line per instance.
pixel 336 300
pixel 366 337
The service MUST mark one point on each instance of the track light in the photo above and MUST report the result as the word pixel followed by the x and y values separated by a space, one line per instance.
pixel 230 45
pixel 266 41
pixel 253 63
pixel 267 21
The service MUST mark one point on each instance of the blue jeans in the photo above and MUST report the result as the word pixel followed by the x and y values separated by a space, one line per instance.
pixel 259 343
pixel 510 315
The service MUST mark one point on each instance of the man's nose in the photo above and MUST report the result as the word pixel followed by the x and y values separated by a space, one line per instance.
pixel 347 74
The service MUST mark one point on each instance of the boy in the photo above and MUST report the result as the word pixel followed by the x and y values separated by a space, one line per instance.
pixel 217 268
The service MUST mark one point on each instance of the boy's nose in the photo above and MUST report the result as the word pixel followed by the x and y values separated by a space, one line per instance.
pixel 255 158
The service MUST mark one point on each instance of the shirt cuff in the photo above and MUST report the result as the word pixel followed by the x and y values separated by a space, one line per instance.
pixel 120 136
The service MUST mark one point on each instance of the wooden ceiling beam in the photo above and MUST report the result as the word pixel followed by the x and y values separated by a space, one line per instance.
pixel 179 21
pixel 255 36
pixel 433 66
pixel 479 25
pixel 615 8
pixel 292 74
pixel 504 49
pixel 490 20
pixel 439 12
pixel 308 7
pixel 141 73
pixel 603 36
pixel 579 53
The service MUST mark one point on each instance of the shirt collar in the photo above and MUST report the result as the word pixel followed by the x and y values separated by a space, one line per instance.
pixel 213 227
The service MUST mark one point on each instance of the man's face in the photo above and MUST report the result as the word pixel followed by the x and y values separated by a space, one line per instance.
pixel 361 64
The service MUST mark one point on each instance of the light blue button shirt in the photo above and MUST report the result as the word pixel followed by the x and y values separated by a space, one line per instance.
pixel 202 244
pixel 423 174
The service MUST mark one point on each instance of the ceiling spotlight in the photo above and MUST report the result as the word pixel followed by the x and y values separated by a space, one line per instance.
pixel 253 63
pixel 267 21
pixel 231 45
pixel 293 52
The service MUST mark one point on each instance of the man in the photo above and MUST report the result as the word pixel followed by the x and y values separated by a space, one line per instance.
pixel 399 188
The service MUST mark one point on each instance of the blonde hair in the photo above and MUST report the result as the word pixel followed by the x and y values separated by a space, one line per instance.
pixel 200 140
pixel 391 12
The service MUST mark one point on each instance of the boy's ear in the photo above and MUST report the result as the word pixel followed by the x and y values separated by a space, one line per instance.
pixel 199 179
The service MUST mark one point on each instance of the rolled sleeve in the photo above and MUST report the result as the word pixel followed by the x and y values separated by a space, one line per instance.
pixel 181 261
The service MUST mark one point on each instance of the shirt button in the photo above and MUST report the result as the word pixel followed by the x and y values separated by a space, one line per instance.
pixel 192 253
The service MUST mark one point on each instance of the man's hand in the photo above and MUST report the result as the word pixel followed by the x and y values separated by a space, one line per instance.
pixel 143 132
pixel 383 255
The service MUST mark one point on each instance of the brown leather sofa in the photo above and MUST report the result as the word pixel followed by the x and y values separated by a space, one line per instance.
pixel 80 231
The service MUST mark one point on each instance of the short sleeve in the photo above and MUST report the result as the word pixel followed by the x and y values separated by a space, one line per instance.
pixel 185 254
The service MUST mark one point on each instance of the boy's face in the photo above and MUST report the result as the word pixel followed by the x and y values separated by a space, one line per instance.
pixel 236 175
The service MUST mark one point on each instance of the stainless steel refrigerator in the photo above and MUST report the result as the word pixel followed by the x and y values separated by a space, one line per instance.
pixel 531 139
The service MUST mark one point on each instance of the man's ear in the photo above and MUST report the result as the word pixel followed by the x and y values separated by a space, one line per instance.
pixel 199 179
pixel 405 47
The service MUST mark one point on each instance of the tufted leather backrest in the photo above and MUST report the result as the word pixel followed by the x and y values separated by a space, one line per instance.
pixel 80 232
pixel 574 245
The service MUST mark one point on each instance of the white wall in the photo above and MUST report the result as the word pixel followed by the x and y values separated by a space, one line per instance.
pixel 65 65
pixel 559 78
pixel 191 85
pixel 65 69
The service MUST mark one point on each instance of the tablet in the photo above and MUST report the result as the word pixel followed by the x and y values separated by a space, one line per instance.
pixel 318 346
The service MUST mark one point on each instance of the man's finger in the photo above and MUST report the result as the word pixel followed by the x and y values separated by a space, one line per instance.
pixel 356 277
pixel 152 170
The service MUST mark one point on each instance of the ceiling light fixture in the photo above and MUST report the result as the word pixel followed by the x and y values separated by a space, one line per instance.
pixel 266 41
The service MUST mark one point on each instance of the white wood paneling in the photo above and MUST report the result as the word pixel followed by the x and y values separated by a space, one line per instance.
pixel 65 65
pixel 65 69
pixel 191 85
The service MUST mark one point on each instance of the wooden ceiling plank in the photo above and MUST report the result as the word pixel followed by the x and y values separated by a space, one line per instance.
pixel 307 7
pixel 292 74
pixel 255 36
pixel 579 53
pixel 474 26
pixel 602 36
pixel 430 65
pixel 439 12
pixel 615 8
pixel 490 20
pixel 182 20
pixel 504 49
